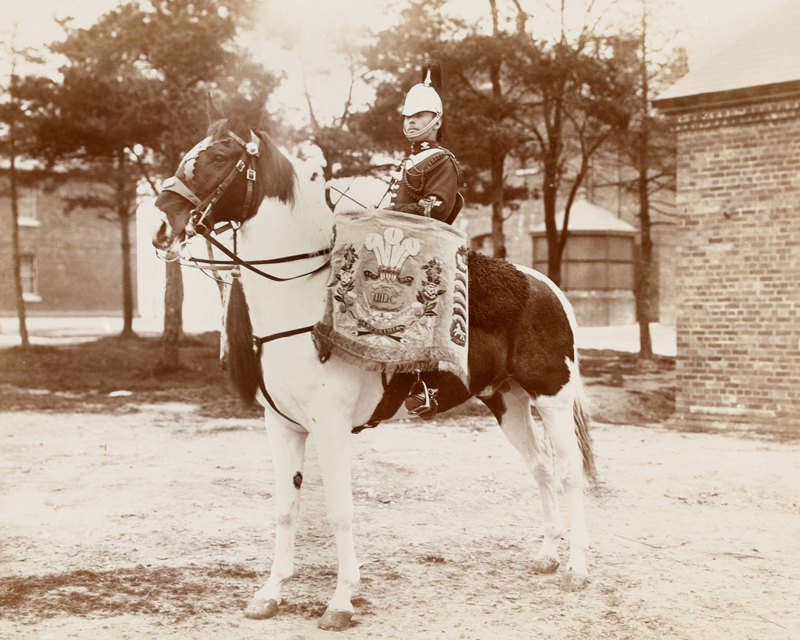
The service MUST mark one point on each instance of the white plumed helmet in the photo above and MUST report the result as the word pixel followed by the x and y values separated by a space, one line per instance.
pixel 425 95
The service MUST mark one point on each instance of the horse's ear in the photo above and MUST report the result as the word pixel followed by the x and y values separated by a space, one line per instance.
pixel 214 113
pixel 255 114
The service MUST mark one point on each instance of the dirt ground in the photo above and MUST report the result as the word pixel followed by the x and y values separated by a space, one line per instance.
pixel 157 524
pixel 154 520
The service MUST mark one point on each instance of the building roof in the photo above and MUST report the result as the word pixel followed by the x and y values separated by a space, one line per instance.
pixel 766 57
pixel 585 216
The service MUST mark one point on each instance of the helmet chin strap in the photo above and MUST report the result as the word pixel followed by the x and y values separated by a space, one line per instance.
pixel 413 137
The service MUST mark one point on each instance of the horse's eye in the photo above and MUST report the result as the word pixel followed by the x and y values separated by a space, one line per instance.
pixel 219 158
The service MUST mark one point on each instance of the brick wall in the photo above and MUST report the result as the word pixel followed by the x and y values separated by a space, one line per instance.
pixel 78 259
pixel 738 322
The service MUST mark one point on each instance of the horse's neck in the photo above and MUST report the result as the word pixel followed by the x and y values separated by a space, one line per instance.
pixel 279 230
pixel 276 231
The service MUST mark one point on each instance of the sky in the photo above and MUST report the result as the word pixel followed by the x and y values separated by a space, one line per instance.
pixel 705 27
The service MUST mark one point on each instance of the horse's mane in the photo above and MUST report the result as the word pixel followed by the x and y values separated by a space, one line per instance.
pixel 276 175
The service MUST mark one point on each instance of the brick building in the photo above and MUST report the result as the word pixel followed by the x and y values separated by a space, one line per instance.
pixel 70 262
pixel 738 324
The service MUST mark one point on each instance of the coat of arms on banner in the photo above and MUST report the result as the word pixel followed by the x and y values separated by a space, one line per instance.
pixel 397 293
pixel 391 303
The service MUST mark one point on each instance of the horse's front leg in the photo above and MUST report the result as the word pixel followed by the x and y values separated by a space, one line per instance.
pixel 334 449
pixel 288 445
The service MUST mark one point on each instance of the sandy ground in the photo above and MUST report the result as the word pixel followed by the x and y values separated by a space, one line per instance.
pixel 155 523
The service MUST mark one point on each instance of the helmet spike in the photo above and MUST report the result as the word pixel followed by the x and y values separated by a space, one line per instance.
pixel 432 74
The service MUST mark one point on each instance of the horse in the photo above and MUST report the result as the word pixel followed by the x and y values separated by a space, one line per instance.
pixel 522 351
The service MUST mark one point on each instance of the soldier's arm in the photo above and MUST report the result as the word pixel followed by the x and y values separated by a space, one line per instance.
pixel 439 188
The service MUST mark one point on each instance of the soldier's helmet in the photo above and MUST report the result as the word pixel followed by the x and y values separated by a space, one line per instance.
pixel 425 96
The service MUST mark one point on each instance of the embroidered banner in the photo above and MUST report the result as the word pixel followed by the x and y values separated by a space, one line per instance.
pixel 397 296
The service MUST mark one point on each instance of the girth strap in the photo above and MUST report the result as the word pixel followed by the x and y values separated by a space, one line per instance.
pixel 258 342
pixel 282 334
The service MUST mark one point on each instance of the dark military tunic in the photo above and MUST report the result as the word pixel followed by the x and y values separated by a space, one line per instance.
pixel 427 183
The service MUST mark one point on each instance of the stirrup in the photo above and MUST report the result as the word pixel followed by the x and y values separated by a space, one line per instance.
pixel 421 400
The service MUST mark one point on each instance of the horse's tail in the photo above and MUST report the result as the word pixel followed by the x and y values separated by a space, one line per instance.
pixel 243 360
pixel 581 413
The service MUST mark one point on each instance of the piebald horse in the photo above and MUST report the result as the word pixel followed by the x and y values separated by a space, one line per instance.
pixel 521 351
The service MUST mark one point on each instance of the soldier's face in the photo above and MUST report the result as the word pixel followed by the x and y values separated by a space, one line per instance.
pixel 417 122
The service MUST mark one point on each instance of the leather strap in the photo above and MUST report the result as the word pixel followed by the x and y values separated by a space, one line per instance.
pixel 258 343
pixel 248 265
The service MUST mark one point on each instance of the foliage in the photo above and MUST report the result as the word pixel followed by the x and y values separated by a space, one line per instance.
pixel 133 90
pixel 507 95
pixel 578 96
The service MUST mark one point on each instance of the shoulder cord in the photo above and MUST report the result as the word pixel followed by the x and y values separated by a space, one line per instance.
pixel 417 193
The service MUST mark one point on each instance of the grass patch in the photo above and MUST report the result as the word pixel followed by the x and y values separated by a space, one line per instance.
pixel 80 377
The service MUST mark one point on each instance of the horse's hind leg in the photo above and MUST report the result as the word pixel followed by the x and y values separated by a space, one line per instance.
pixel 287 445
pixel 557 413
pixel 512 407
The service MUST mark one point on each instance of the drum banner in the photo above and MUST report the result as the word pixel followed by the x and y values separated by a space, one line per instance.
pixel 397 295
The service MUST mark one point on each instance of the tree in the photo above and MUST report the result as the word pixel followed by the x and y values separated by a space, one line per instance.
pixel 16 118
pixel 138 79
pixel 578 98
pixel 346 151
pixel 650 152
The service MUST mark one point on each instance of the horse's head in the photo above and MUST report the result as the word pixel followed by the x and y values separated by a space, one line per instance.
pixel 223 178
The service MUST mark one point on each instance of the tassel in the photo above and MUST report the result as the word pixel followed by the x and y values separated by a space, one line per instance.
pixel 243 358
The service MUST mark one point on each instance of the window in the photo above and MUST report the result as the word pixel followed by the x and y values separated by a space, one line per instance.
pixel 28 275
pixel 593 263
pixel 28 207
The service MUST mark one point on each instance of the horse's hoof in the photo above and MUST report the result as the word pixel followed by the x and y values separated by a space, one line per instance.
pixel 261 609
pixel 545 564
pixel 335 620
pixel 574 581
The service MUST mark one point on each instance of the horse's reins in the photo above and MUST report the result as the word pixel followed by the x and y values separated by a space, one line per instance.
pixel 197 225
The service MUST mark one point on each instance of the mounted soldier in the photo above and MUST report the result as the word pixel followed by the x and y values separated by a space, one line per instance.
pixel 426 184
pixel 427 181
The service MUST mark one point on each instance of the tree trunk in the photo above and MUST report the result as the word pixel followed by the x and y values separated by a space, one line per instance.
pixel 498 158
pixel 549 199
pixel 18 292
pixel 173 320
pixel 125 217
pixel 498 236
pixel 644 280
pixel 173 309
pixel 644 284
pixel 127 278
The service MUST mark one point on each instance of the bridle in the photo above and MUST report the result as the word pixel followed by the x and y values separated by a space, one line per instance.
pixel 200 216
pixel 202 208
pixel 198 224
